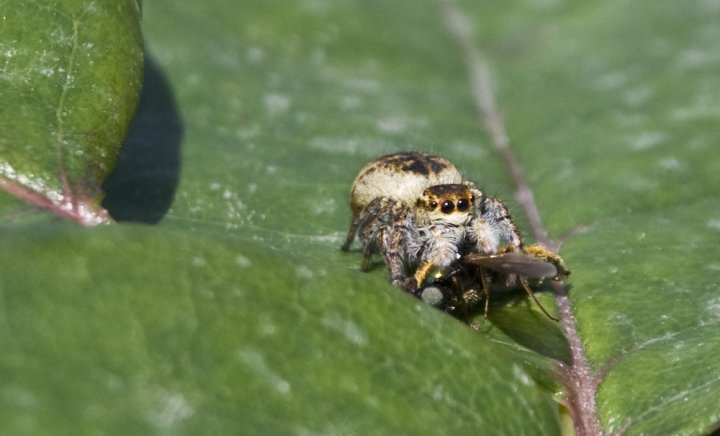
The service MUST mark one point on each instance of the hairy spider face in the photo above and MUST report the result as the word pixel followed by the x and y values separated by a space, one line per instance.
pixel 449 203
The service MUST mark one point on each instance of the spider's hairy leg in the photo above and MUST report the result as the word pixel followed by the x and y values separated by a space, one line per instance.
pixel 382 227
pixel 359 221
pixel 369 216
pixel 351 233
pixel 368 249
pixel 391 243
pixel 493 226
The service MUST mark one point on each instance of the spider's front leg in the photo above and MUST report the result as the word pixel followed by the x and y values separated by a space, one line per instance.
pixel 392 243
pixel 422 272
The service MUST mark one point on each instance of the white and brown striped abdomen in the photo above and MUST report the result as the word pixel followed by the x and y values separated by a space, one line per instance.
pixel 402 176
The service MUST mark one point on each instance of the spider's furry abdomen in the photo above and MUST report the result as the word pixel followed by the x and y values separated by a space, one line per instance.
pixel 401 176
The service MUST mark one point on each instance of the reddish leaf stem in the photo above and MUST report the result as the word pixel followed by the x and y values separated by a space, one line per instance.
pixel 75 209
pixel 578 377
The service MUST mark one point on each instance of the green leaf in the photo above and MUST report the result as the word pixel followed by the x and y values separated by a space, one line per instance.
pixel 660 313
pixel 195 333
pixel 610 107
pixel 237 313
pixel 70 83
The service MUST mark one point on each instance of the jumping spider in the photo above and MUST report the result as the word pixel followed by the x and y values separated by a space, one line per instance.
pixel 416 210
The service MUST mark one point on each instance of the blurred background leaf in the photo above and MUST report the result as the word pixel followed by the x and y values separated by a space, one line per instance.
pixel 238 313
pixel 71 77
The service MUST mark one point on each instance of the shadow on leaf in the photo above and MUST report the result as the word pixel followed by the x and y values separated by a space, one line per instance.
pixel 515 315
pixel 142 186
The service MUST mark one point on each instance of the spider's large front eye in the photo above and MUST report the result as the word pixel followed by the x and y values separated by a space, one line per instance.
pixel 463 204
pixel 447 206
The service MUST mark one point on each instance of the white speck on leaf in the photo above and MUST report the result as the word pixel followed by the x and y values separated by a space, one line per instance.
pixel 438 393
pixel 174 408
pixel 713 223
pixel 343 145
pixel 192 79
pixel 267 328
pixel 276 103
pixel 330 239
pixel 303 272
pixel 712 307
pixel 703 106
pixel 469 148
pixel 20 397
pixel 637 96
pixel 367 86
pixel 647 140
pixel 670 163
pixel 372 401
pixel 271 169
pixel 611 81
pixel 350 102
pixel 325 207
pixel 248 133
pixel 713 266
pixel 317 7
pixel 399 124
pixel 347 328
pixel 242 261
pixel 255 55
pixel 638 183
pixel 318 56
pixel 255 361
pixel 392 125
pixel 694 58
pixel 522 376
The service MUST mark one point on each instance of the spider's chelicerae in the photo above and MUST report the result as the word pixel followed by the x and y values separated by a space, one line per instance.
pixel 416 210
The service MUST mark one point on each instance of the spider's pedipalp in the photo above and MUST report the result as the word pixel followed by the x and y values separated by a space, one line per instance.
pixel 492 228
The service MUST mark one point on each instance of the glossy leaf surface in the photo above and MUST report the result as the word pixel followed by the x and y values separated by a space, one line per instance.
pixel 70 81
pixel 238 314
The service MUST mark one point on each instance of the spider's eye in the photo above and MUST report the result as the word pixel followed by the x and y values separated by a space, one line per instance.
pixel 463 204
pixel 433 205
pixel 447 206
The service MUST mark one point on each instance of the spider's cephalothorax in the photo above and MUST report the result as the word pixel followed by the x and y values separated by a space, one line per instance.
pixel 418 213
pixel 442 216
